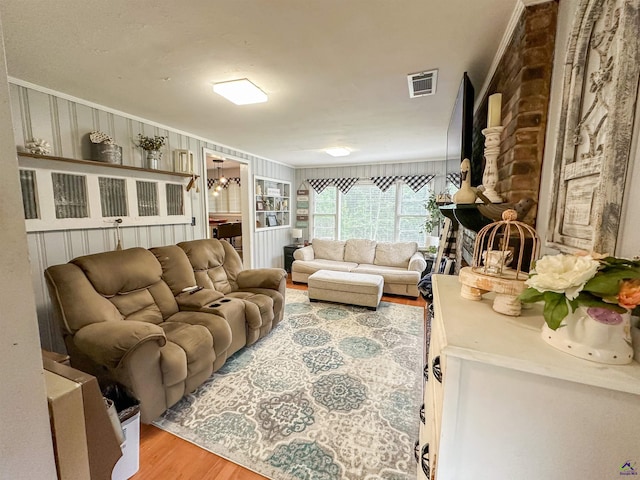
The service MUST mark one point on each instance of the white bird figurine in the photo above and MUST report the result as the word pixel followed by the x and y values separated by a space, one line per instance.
pixel 466 194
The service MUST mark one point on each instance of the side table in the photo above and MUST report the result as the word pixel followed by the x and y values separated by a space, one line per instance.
pixel 288 255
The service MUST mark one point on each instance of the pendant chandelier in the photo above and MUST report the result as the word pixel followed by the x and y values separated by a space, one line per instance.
pixel 221 180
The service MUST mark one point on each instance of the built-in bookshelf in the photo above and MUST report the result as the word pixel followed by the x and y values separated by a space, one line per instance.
pixel 273 203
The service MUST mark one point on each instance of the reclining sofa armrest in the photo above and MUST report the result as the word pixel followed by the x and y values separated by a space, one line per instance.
pixel 304 253
pixel 109 343
pixel 417 263
pixel 262 278
pixel 198 299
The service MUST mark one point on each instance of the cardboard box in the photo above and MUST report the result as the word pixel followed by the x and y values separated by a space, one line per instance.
pixel 85 442
pixel 67 427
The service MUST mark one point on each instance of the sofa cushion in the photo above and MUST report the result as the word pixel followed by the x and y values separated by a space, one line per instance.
pixel 360 250
pixel 312 266
pixel 176 269
pixel 120 271
pixel 328 249
pixel 395 254
pixel 390 274
pixel 215 264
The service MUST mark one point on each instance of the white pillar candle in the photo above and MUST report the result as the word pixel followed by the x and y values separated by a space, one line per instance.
pixel 494 118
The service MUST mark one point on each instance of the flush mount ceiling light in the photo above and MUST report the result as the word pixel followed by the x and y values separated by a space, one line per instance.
pixel 240 92
pixel 338 151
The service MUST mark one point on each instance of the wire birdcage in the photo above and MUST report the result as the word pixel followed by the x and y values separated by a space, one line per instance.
pixel 504 243
pixel 498 245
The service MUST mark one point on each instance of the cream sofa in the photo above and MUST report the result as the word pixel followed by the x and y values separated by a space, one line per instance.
pixel 400 264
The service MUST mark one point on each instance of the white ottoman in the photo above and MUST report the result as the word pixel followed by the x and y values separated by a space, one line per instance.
pixel 345 287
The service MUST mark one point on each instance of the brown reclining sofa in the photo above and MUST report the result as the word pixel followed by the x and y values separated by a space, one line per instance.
pixel 133 316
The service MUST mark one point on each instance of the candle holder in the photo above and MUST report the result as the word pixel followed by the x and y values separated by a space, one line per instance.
pixel 491 152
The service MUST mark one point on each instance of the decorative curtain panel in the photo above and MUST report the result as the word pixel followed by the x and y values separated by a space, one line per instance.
pixel 415 182
pixel 342 184
pixel 383 183
pixel 454 178
pixel 319 184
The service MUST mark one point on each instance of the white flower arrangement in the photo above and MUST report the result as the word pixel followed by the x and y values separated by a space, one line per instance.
pixel 151 143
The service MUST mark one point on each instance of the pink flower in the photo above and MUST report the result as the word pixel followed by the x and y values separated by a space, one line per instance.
pixel 629 293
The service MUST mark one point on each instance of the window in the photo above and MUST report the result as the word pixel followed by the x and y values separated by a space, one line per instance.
pixel 174 199
pixel 147 198
pixel 29 200
pixel 325 211
pixel 368 212
pixel 70 195
pixel 227 200
pixel 396 215
pixel 113 197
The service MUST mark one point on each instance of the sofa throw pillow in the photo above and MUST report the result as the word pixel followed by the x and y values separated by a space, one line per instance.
pixel 395 254
pixel 360 251
pixel 328 249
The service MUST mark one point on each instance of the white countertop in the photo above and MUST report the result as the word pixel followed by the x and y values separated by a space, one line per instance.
pixel 476 332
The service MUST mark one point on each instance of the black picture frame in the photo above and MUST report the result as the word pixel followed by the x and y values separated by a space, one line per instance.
pixel 272 221
pixel 259 205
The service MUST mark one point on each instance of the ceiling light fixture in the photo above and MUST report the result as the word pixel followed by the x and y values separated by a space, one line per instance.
pixel 240 92
pixel 338 151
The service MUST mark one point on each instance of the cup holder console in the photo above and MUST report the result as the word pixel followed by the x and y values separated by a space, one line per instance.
pixel 219 303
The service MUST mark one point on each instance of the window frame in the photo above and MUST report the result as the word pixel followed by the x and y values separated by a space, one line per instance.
pixel 398 185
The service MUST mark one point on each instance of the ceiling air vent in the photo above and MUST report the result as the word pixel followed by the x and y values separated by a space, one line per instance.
pixel 422 83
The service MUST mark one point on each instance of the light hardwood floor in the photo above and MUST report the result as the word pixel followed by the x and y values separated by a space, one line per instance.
pixel 165 456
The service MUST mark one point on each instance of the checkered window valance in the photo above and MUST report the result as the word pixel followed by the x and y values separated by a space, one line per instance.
pixel 211 182
pixel 342 184
pixel 454 178
pixel 415 182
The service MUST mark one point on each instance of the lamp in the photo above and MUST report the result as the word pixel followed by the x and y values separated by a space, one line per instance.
pixel 219 182
pixel 296 233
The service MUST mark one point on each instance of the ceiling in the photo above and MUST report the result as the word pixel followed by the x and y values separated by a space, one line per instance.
pixel 335 70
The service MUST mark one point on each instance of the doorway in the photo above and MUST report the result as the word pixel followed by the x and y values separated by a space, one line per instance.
pixel 227 201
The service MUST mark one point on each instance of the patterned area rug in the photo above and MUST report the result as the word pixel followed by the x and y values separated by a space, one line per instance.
pixel 332 393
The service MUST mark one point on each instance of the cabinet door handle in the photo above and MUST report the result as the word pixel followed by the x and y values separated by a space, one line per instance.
pixel 416 451
pixel 424 460
pixel 423 417
pixel 435 368
pixel 425 371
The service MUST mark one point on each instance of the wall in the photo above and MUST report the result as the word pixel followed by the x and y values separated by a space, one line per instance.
pixel 65 122
pixel 523 76
pixel 373 170
pixel 26 449
pixel 628 244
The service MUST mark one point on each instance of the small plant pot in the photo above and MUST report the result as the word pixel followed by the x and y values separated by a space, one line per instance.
pixel 595 334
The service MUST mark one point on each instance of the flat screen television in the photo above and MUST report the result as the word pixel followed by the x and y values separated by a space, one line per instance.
pixel 460 132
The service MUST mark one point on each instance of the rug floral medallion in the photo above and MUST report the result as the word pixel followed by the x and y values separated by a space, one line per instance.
pixel 333 392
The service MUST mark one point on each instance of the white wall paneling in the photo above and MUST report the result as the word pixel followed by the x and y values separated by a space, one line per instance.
pixel 65 122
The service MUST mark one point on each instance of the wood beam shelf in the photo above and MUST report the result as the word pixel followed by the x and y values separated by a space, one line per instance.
pixel 104 164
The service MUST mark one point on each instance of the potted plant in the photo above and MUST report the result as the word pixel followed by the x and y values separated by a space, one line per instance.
pixel 152 146
pixel 434 220
pixel 587 304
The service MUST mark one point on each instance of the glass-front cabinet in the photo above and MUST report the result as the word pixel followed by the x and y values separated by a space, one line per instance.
pixel 273 203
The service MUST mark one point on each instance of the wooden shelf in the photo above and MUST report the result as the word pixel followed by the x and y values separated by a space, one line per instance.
pixel 103 164
pixel 466 214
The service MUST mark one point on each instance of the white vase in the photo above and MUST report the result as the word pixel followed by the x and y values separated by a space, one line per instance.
pixel 595 334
